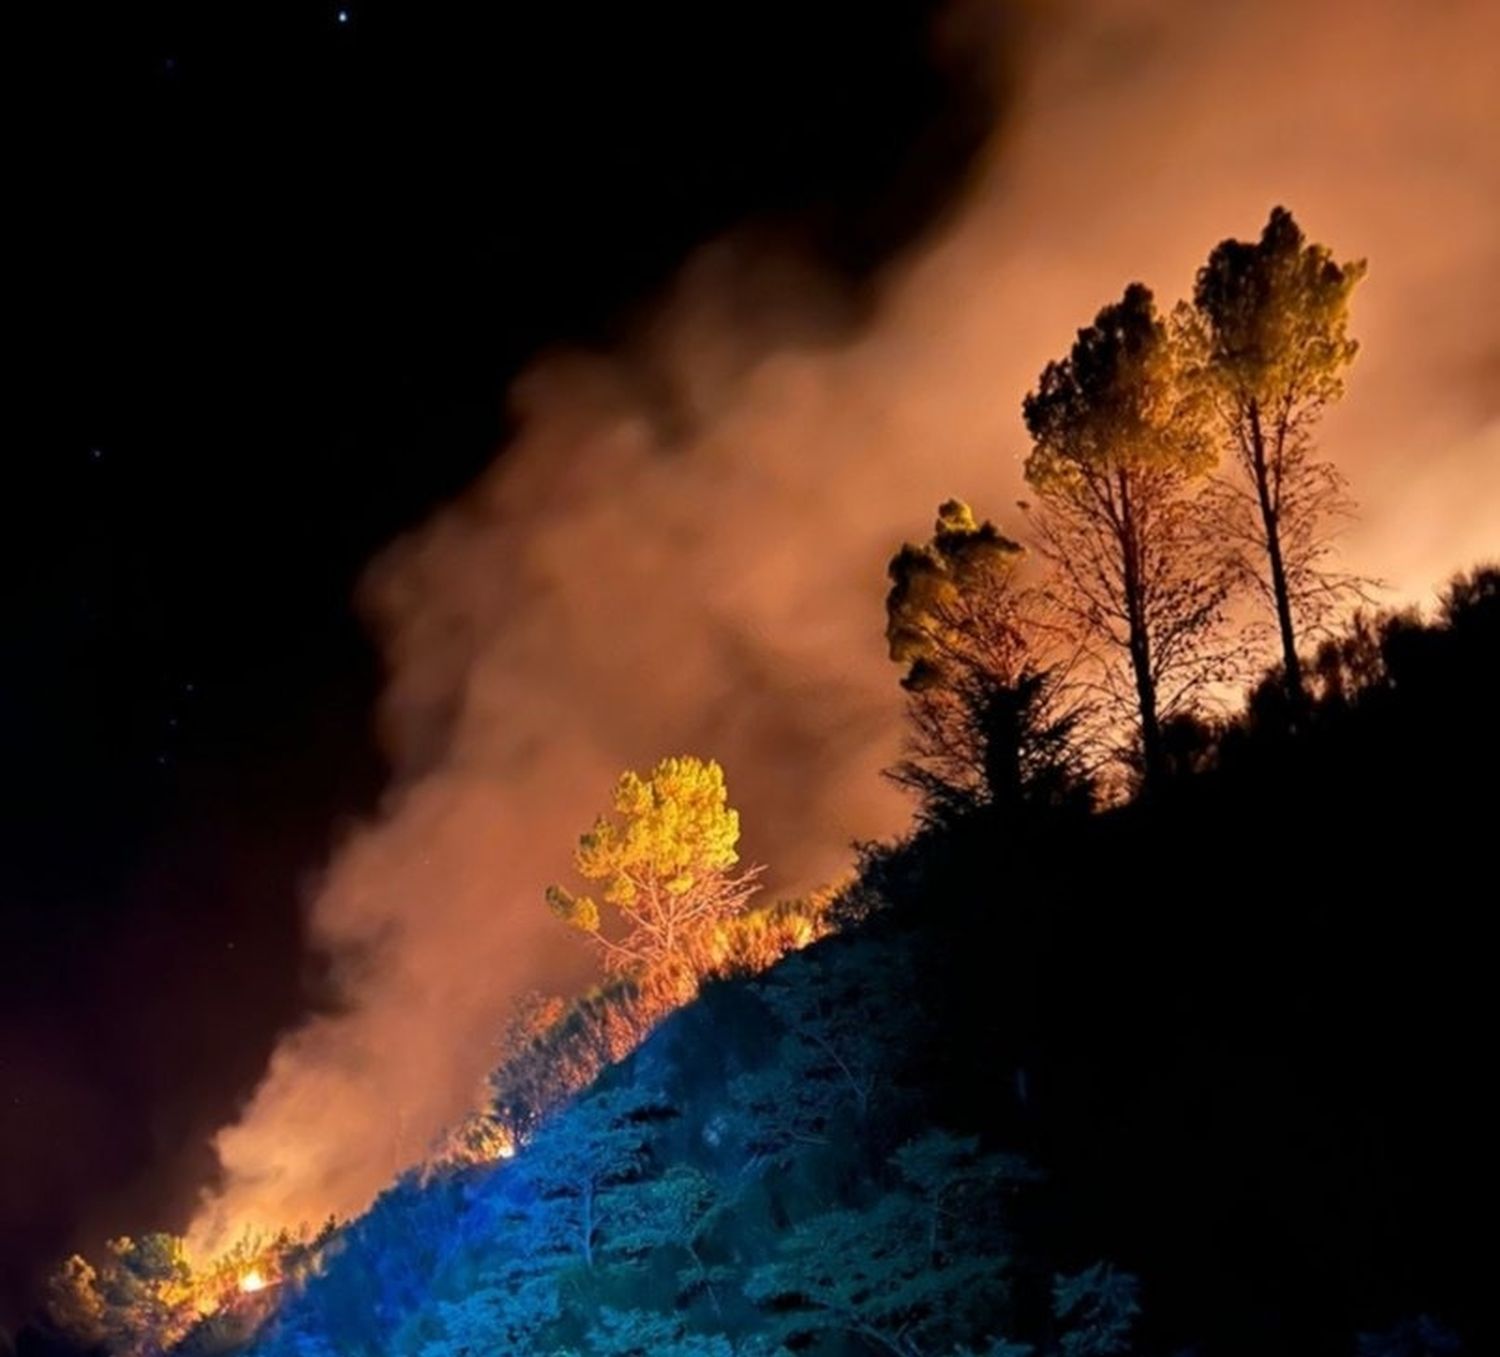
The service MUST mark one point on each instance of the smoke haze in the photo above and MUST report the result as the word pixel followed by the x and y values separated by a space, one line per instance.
pixel 682 548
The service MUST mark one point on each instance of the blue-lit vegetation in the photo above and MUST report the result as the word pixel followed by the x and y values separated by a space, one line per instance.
pixel 1158 1034
pixel 1027 1111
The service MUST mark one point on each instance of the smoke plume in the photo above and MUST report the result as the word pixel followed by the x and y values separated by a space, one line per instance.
pixel 682 548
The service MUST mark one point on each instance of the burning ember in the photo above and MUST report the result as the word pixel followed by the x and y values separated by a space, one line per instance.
pixel 252 1281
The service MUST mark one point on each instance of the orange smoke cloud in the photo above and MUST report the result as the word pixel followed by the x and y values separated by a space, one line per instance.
pixel 683 547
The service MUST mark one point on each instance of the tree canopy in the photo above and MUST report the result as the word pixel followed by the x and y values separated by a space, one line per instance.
pixel 1266 338
pixel 1120 445
pixel 664 863
pixel 950 609
pixel 987 726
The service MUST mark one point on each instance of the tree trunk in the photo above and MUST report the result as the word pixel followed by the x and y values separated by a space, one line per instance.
pixel 1270 520
pixel 1140 645
pixel 1145 690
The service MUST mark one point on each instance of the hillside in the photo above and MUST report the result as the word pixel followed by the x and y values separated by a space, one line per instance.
pixel 1203 1073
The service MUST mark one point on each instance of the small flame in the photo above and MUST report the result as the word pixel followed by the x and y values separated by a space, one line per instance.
pixel 507 1151
pixel 252 1281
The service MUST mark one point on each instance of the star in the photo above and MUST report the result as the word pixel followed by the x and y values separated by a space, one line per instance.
pixel 342 16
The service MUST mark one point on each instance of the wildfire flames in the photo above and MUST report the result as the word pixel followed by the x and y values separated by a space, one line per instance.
pixel 252 1281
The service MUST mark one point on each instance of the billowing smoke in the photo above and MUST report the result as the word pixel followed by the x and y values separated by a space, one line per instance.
pixel 682 549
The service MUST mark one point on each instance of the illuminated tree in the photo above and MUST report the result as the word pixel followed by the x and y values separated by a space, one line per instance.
pixel 74 1303
pixel 1267 331
pixel 1120 446
pixel 579 1165
pixel 481 1137
pixel 146 1288
pixel 507 1311
pixel 671 1212
pixel 756 940
pixel 664 865
pixel 989 724
pixel 560 1048
pixel 952 607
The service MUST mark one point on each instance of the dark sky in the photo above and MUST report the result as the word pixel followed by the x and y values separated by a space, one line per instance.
pixel 275 269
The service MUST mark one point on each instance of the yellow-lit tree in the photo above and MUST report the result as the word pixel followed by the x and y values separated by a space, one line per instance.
pixel 664 863
pixel 953 607
pixel 988 726
pixel 1120 446
pixel 1267 335
pixel 139 1302
pixel 74 1304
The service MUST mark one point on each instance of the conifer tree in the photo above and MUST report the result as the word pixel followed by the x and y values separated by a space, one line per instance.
pixel 989 723
pixel 953 607
pixel 1119 449
pixel 1267 334
pixel 665 865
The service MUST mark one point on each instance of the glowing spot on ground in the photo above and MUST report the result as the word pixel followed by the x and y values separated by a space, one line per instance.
pixel 252 1281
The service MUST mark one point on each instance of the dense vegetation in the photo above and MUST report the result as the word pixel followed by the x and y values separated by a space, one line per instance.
pixel 1162 1032
pixel 1057 1070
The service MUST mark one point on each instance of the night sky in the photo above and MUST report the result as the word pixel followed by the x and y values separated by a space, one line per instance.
pixel 277 263
pixel 646 332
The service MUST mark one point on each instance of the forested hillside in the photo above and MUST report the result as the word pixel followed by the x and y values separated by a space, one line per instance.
pixel 1163 1031
pixel 1204 1073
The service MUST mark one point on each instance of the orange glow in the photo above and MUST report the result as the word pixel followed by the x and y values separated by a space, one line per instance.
pixel 747 451
pixel 252 1281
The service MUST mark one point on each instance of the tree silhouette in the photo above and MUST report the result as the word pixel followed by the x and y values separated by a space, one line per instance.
pixel 665 863
pixel 1120 445
pixel 953 607
pixel 1267 333
pixel 988 723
